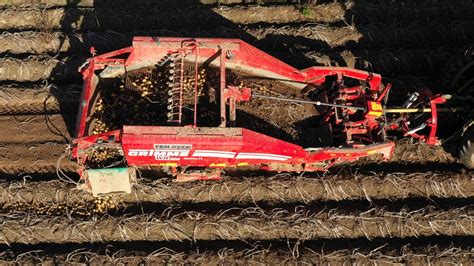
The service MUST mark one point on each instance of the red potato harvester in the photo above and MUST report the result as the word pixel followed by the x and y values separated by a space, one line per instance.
pixel 178 144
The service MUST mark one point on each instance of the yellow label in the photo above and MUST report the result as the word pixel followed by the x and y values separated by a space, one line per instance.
pixel 377 113
pixel 375 106
pixel 372 152
pixel 217 165
pixel 243 164
pixel 168 164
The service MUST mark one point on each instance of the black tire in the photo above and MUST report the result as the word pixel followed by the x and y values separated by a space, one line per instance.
pixel 466 155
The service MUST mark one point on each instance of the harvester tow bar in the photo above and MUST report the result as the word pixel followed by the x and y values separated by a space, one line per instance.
pixel 386 110
pixel 308 102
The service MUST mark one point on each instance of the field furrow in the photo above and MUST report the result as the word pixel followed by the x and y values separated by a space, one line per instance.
pixel 47 99
pixel 387 62
pixel 33 42
pixel 276 189
pixel 35 128
pixel 237 224
pixel 415 152
pixel 38 68
pixel 123 19
pixel 320 36
pixel 258 254
pixel 121 3
pixel 32 158
pixel 371 36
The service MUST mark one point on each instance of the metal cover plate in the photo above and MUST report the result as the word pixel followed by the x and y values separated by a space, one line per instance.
pixel 112 71
pixel 113 180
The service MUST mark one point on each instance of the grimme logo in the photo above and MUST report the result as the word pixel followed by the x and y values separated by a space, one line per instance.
pixel 164 152
pixel 173 146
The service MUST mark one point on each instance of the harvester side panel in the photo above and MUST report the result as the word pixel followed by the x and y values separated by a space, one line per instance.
pixel 204 147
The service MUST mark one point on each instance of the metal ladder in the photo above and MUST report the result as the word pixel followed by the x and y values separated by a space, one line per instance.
pixel 175 89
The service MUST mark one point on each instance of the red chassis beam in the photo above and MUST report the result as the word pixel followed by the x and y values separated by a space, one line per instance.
pixel 222 148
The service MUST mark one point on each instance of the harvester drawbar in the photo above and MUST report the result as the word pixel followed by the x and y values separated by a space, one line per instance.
pixel 162 80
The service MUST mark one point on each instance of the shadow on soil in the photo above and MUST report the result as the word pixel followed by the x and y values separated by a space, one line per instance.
pixel 394 246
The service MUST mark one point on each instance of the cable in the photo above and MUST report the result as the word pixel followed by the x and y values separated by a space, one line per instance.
pixel 60 173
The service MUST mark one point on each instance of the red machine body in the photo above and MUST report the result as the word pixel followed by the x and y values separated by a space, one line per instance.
pixel 355 113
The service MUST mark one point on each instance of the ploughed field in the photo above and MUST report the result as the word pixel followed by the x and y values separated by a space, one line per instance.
pixel 417 208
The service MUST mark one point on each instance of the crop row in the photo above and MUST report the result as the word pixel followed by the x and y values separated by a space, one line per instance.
pixel 281 188
pixel 256 254
pixel 236 224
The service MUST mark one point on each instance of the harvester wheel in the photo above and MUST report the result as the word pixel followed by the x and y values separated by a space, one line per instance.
pixel 466 154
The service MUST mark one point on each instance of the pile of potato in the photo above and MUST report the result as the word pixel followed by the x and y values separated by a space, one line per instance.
pixel 99 205
pixel 104 156
pixel 144 98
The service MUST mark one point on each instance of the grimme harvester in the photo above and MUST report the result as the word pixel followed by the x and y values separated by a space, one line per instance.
pixel 142 107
